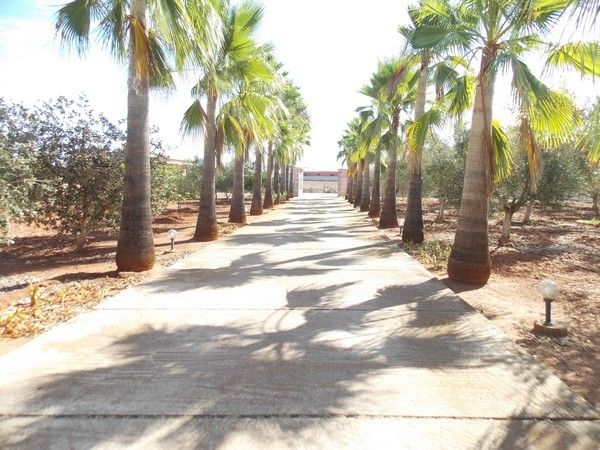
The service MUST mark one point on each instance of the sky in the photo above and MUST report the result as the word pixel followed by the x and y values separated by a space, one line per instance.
pixel 329 47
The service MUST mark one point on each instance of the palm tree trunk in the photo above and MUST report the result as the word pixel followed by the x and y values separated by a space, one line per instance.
pixel 365 198
pixel 469 259
pixel 256 208
pixel 237 210
pixel 284 179
pixel 348 184
pixel 351 185
pixel 359 181
pixel 268 203
pixel 135 246
pixel 206 225
pixel 276 182
pixel 389 215
pixel 412 231
pixel 291 182
pixel 375 206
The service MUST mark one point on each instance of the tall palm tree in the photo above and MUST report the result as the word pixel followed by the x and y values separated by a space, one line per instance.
pixel 454 94
pixel 232 58
pixel 143 32
pixel 396 93
pixel 502 32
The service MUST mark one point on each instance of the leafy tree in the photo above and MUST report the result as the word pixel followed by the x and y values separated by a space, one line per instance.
pixel 18 184
pixel 80 156
pixel 444 169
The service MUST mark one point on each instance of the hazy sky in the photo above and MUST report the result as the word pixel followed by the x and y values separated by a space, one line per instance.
pixel 330 48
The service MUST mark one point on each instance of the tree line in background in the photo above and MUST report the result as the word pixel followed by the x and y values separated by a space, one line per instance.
pixel 550 154
pixel 243 101
pixel 62 166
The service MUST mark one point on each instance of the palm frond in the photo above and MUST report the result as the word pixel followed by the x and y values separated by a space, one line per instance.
pixel 194 120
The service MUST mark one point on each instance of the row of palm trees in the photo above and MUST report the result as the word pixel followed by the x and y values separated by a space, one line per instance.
pixel 435 80
pixel 242 100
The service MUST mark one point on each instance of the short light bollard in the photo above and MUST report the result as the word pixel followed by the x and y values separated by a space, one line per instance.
pixel 549 290
pixel 172 236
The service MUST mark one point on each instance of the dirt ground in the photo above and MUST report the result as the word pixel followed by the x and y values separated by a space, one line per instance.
pixel 44 282
pixel 553 245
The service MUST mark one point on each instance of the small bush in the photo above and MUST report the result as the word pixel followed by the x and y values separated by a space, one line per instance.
pixel 432 254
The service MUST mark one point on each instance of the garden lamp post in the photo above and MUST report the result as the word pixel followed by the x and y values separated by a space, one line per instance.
pixel 549 291
pixel 172 235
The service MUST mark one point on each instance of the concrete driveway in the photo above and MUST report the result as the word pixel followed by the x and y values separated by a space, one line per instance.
pixel 306 329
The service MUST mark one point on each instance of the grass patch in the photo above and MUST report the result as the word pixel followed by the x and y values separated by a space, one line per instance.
pixel 592 222
pixel 432 254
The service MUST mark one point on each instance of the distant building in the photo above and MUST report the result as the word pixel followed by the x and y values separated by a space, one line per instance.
pixel 321 181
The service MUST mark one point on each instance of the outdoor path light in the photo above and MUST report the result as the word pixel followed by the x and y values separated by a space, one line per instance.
pixel 172 235
pixel 549 290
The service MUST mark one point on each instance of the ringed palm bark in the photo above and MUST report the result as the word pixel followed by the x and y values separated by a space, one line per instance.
pixel 291 182
pixel 276 188
pixel 375 206
pixel 412 230
pixel 351 170
pixel 131 36
pixel 365 198
pixel 256 209
pixel 268 202
pixel 389 216
pixel 359 183
pixel 237 210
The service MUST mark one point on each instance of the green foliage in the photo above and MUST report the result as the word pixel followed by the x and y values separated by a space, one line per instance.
pixel 17 180
pixel 444 167
pixel 80 155
pixel 562 177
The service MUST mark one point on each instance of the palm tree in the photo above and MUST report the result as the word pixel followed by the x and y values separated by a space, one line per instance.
pixel 454 94
pixel 395 95
pixel 233 58
pixel 141 31
pixel 502 32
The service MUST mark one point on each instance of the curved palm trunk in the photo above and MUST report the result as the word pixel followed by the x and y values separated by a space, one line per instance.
pixel 135 246
pixel 351 185
pixel 276 182
pixel 389 215
pixel 237 210
pixel 469 260
pixel 256 208
pixel 375 206
pixel 412 231
pixel 365 198
pixel 206 225
pixel 268 202
pixel 359 182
